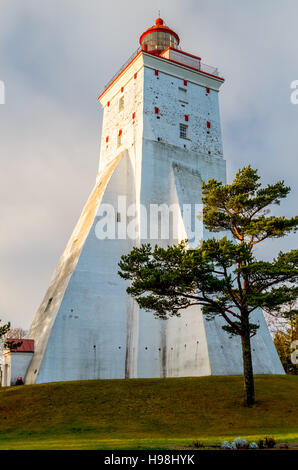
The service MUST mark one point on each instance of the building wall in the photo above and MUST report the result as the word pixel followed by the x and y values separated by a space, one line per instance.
pixel 87 326
pixel 225 352
pixel 14 365
pixel 115 120
pixel 163 91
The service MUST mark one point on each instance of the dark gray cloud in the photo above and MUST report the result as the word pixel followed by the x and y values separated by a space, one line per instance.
pixel 55 58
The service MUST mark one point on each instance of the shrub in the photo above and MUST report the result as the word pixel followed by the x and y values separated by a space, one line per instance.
pixel 240 443
pixel 253 445
pixel 270 442
pixel 226 445
pixel 261 444
pixel 198 444
pixel 267 443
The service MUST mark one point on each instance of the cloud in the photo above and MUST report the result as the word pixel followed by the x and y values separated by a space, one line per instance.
pixel 57 56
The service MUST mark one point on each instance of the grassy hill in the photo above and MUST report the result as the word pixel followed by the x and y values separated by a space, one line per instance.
pixel 146 413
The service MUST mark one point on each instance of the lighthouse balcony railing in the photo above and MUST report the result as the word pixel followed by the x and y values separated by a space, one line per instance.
pixel 123 67
pixel 174 55
pixel 188 60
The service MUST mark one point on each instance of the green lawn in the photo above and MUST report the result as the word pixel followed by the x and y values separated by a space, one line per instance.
pixel 146 413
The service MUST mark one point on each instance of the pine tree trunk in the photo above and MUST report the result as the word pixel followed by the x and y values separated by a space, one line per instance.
pixel 247 363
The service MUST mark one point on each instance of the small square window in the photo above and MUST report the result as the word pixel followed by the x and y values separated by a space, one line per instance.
pixel 183 131
pixel 183 95
pixel 121 103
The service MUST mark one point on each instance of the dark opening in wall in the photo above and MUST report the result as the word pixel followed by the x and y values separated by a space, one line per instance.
pixel 48 304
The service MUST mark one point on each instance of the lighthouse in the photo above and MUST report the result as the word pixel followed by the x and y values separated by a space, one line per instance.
pixel 161 138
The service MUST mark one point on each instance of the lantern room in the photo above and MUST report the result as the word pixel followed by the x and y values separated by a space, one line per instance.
pixel 157 38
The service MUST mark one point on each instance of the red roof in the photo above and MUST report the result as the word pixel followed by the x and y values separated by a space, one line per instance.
pixel 26 346
pixel 159 26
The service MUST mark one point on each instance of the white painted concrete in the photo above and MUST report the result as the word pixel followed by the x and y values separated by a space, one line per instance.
pixel 87 326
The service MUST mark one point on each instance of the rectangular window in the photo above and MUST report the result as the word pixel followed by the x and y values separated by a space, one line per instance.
pixel 119 141
pixel 183 131
pixel 183 95
pixel 121 103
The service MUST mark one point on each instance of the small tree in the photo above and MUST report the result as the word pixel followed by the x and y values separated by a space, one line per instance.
pixel 4 329
pixel 16 333
pixel 222 275
pixel 6 333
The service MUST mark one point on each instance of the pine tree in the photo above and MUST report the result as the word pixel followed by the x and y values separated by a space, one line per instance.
pixel 4 334
pixel 223 275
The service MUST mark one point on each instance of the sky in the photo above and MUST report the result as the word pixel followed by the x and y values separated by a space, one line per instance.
pixel 55 58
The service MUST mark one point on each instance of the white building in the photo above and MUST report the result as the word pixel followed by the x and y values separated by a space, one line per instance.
pixel 16 361
pixel 161 138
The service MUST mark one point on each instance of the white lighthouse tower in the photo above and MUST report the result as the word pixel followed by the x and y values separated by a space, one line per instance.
pixel 161 138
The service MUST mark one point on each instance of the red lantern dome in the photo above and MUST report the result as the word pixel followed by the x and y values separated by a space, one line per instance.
pixel 157 38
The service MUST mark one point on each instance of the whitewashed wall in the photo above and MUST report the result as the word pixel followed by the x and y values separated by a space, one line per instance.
pixel 14 365
pixel 87 326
